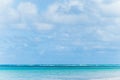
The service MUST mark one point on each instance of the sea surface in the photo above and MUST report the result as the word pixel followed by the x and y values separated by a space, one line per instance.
pixel 60 72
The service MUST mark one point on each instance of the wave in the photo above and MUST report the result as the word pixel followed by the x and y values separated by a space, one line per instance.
pixel 110 78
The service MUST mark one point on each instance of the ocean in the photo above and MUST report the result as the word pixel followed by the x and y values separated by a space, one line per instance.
pixel 59 72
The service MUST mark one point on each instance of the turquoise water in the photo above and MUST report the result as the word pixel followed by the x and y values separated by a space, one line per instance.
pixel 59 73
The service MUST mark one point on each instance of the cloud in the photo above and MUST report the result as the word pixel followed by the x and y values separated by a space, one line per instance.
pixel 23 11
pixel 109 33
pixel 67 12
pixel 6 10
pixel 100 16
pixel 26 14
pixel 110 15
pixel 84 12
pixel 27 9
pixel 5 3
pixel 111 8
pixel 43 26
pixel 12 14
pixel 20 25
pixel 79 23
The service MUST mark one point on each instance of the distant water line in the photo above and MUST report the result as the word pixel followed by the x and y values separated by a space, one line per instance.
pixel 59 72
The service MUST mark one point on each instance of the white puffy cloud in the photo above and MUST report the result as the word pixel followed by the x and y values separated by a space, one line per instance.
pixel 68 12
pixel 111 8
pixel 6 11
pixel 84 12
pixel 23 9
pixel 20 25
pixel 43 26
pixel 22 16
pixel 5 3
pixel 109 11
pixel 104 14
pixel 100 14
pixel 12 14
pixel 27 9
pixel 109 33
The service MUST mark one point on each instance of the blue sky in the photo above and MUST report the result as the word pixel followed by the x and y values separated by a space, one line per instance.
pixel 59 32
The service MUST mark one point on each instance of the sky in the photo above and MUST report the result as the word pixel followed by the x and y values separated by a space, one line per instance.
pixel 59 32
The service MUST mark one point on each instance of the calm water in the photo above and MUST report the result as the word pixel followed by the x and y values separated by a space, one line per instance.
pixel 59 73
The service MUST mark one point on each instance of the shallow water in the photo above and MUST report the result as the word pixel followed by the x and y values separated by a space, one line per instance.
pixel 59 73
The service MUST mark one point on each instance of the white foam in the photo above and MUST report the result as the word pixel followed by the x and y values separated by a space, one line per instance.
pixel 50 79
pixel 110 78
